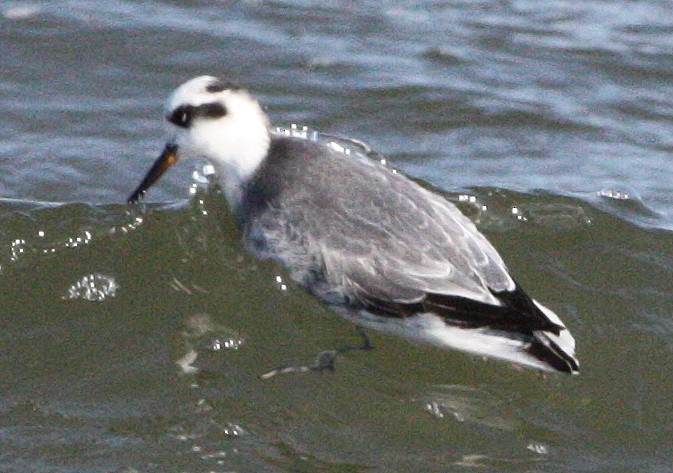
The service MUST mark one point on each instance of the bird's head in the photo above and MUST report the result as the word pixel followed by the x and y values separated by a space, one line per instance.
pixel 218 121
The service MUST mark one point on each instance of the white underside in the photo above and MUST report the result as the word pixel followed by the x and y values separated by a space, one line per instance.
pixel 431 329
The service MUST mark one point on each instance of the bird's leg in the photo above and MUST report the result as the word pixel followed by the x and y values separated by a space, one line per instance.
pixel 325 359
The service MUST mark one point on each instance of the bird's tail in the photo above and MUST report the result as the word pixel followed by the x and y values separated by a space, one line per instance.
pixel 557 351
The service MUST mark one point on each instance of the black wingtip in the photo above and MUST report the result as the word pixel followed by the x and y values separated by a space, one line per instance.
pixel 546 350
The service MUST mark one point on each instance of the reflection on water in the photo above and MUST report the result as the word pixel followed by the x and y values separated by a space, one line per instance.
pixel 470 404
pixel 93 287
pixel 201 335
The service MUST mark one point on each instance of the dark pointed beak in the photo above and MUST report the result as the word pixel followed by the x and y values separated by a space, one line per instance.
pixel 169 157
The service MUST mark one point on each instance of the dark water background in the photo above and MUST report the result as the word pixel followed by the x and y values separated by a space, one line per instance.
pixel 131 338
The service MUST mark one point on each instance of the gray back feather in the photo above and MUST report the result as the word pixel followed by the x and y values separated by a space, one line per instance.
pixel 348 228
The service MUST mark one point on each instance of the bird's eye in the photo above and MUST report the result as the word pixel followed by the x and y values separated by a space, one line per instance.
pixel 182 116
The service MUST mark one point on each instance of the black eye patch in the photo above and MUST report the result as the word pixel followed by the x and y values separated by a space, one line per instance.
pixel 184 115
pixel 211 110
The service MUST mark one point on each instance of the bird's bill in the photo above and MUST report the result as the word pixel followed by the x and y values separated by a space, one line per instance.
pixel 168 157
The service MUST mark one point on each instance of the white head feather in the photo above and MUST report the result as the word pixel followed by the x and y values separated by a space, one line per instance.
pixel 235 143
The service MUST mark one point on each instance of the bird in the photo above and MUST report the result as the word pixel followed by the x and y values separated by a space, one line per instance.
pixel 372 244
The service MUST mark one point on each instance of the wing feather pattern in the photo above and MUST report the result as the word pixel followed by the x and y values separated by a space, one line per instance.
pixel 357 235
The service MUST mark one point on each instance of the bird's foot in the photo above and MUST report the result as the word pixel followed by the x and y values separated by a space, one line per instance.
pixel 326 360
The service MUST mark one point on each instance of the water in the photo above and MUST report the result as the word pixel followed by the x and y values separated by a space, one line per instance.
pixel 132 337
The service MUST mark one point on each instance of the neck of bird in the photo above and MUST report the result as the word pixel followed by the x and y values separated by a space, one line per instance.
pixel 237 165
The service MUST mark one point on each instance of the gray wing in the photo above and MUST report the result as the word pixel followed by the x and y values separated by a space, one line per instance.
pixel 355 233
